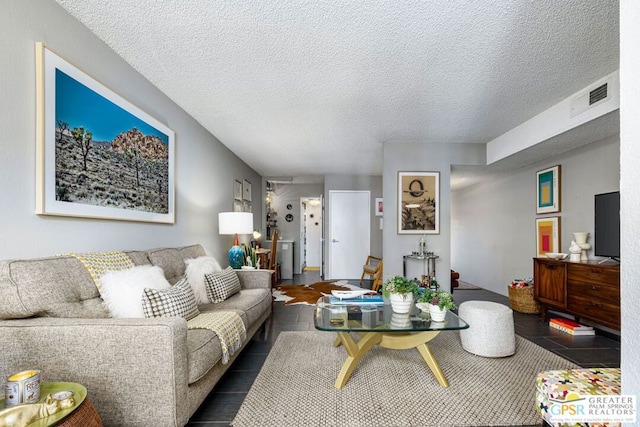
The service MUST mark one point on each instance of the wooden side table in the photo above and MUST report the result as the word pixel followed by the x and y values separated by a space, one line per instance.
pixel 84 415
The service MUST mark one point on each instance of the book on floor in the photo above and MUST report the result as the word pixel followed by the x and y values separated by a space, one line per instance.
pixel 570 324
pixel 572 331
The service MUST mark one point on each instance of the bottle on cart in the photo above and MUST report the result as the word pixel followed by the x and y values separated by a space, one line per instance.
pixel 422 245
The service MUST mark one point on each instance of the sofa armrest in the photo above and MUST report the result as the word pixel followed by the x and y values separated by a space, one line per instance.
pixel 254 279
pixel 135 370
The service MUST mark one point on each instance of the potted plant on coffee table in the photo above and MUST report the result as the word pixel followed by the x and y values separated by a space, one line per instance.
pixel 401 292
pixel 439 302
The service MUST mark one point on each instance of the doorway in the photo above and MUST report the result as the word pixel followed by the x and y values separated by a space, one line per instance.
pixel 349 239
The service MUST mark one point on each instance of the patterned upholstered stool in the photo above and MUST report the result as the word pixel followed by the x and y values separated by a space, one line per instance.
pixel 565 384
pixel 490 332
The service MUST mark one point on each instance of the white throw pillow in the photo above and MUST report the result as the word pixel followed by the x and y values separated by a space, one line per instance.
pixel 122 290
pixel 195 271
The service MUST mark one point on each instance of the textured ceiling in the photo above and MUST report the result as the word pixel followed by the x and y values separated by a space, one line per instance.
pixel 323 84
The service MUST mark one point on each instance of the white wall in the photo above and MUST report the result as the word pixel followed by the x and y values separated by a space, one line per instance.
pixel 205 169
pixel 422 157
pixel 493 223
pixel 630 194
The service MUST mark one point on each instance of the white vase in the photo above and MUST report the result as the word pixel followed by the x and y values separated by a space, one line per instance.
pixel 437 314
pixel 401 303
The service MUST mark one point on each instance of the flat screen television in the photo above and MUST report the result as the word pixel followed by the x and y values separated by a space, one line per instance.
pixel 607 225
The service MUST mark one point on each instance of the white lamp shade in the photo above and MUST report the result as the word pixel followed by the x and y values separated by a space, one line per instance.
pixel 235 222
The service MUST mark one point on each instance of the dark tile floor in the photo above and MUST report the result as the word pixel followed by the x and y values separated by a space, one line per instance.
pixel 220 407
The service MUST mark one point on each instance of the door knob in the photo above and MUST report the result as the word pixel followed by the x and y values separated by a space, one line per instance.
pixel 334 241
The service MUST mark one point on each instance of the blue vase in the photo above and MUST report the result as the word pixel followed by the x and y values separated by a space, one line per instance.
pixel 236 257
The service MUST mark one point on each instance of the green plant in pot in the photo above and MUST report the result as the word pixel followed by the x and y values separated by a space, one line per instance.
pixel 250 258
pixel 439 302
pixel 401 292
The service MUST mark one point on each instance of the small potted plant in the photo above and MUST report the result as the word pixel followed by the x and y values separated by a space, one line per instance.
pixel 250 258
pixel 401 292
pixel 439 302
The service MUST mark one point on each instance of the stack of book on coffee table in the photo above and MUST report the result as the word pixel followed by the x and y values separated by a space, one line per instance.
pixel 570 326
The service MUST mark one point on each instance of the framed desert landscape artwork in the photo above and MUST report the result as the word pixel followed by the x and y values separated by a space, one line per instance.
pixel 418 202
pixel 547 235
pixel 98 155
pixel 548 190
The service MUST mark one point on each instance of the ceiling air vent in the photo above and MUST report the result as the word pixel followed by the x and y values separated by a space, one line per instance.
pixel 598 94
pixel 586 100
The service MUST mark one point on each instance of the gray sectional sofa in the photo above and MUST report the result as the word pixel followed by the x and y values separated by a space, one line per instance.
pixel 138 372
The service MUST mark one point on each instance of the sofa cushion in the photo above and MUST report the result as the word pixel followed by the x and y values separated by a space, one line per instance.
pixel 222 284
pixel 100 263
pixel 55 286
pixel 251 302
pixel 172 260
pixel 178 301
pixel 203 352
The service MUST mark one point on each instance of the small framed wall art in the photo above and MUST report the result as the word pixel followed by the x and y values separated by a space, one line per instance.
pixel 237 190
pixel 246 190
pixel 547 235
pixel 418 202
pixel 548 190
pixel 379 206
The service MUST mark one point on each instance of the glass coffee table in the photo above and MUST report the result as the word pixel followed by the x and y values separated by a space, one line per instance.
pixel 379 325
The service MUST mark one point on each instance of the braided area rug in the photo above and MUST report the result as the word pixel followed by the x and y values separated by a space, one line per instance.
pixel 394 387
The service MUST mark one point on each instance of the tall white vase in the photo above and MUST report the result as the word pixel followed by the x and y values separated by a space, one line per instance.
pixel 581 239
pixel 401 303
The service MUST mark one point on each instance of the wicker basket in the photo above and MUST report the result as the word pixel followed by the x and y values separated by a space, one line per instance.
pixel 521 300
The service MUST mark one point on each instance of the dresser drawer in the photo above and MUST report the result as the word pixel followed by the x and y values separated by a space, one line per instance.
pixel 602 292
pixel 594 274
pixel 598 311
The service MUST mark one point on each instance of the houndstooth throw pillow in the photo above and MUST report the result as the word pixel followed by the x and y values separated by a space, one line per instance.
pixel 178 301
pixel 222 284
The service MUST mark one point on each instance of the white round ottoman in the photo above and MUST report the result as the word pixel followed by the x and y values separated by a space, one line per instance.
pixel 490 332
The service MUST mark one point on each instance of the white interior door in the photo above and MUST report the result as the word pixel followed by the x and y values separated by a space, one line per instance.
pixel 350 233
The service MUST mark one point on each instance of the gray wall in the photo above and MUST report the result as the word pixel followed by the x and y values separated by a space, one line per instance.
pixel 493 238
pixel 205 169
pixel 422 157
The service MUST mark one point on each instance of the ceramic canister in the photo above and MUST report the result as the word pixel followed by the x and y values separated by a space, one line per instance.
pixel 23 387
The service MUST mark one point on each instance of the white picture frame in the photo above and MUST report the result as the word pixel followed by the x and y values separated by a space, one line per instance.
pixel 418 202
pixel 122 181
pixel 246 190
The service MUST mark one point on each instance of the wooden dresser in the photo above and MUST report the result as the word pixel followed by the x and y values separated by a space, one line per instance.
pixel 585 290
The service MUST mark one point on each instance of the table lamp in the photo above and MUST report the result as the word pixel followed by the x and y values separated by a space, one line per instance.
pixel 235 223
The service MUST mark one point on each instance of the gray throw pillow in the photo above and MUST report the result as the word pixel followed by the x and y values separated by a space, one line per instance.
pixel 178 301
pixel 222 284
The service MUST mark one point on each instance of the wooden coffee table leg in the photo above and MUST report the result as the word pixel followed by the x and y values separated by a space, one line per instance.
pixel 428 357
pixel 355 353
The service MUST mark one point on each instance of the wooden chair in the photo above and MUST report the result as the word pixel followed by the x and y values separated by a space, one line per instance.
pixel 373 268
pixel 273 262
